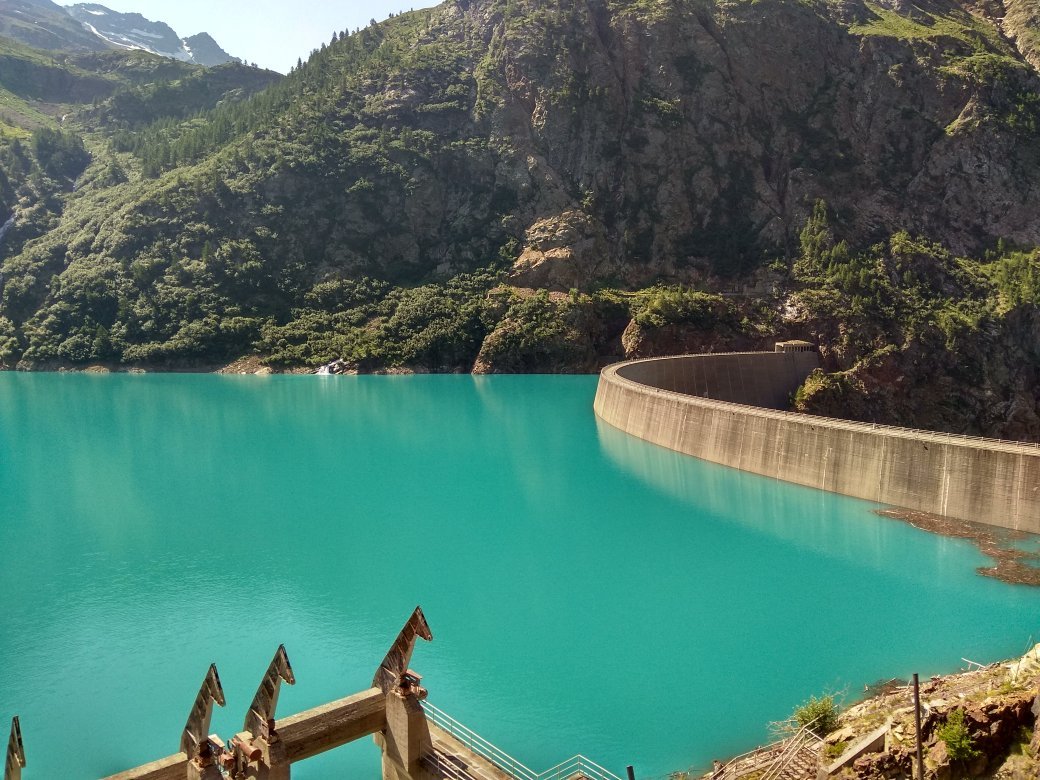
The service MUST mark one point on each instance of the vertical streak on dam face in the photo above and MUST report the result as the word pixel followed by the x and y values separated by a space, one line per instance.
pixel 725 408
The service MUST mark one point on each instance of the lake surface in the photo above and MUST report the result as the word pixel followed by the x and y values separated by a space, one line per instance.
pixel 587 592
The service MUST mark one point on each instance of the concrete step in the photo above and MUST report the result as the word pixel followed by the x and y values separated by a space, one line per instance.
pixel 452 759
pixel 802 766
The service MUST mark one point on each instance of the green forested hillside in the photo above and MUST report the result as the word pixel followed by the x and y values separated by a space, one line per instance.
pixel 533 185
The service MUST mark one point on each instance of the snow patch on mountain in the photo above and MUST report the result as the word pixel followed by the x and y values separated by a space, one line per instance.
pixel 146 34
pixel 133 31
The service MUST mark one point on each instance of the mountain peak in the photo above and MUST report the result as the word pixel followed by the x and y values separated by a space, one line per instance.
pixel 204 50
pixel 134 31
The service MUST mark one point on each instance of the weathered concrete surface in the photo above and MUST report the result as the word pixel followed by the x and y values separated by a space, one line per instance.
pixel 766 380
pixel 326 727
pixel 663 401
pixel 170 768
pixel 874 742
pixel 302 736
pixel 452 752
pixel 405 740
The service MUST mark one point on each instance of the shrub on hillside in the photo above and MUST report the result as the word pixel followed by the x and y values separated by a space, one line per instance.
pixel 955 734
pixel 820 715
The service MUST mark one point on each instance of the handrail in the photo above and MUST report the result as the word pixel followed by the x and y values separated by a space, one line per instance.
pixel 577 764
pixel 721 772
pixel 791 749
pixel 729 769
pixel 478 744
pixel 760 749
pixel 435 762
pixel 775 753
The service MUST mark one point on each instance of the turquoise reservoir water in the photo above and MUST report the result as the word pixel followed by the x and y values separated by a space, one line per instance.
pixel 588 592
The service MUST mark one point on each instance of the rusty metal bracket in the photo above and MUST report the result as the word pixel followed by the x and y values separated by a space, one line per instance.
pixel 15 752
pixel 391 672
pixel 260 718
pixel 195 738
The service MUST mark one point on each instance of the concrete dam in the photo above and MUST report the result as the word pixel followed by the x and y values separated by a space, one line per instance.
pixel 728 409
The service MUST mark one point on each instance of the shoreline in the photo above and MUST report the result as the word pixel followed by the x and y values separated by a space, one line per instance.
pixel 875 737
pixel 251 365
pixel 248 366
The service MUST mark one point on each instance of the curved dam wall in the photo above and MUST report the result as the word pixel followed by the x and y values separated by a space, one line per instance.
pixel 726 409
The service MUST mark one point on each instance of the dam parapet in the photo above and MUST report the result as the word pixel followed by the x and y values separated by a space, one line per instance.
pixel 767 380
pixel 729 409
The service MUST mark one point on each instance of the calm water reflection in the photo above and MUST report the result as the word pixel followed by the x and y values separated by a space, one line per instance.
pixel 588 592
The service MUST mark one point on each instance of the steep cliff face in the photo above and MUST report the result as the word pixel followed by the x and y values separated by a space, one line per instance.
pixel 639 140
pixel 985 384
pixel 913 336
pixel 661 137
pixel 1020 22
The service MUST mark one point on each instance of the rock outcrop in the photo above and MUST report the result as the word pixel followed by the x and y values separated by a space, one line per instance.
pixel 998 738
pixel 986 385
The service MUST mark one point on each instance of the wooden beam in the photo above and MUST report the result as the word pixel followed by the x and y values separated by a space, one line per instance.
pixel 169 768
pixel 305 735
pixel 330 725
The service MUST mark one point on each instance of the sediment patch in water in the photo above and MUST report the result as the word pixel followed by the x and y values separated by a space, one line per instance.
pixel 1012 564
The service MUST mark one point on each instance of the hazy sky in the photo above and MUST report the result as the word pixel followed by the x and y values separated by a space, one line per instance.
pixel 272 33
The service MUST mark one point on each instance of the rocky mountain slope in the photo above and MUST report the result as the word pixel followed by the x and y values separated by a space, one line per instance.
pixel 370 206
pixel 204 50
pixel 133 31
pixel 43 24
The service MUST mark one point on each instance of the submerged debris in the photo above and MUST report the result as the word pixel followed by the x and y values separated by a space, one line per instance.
pixel 1014 565
pixel 883 687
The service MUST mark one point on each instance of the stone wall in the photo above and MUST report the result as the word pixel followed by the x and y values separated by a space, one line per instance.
pixel 726 409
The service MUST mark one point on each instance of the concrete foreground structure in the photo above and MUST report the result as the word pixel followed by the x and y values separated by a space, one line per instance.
pixel 15 759
pixel 418 741
pixel 266 748
pixel 726 408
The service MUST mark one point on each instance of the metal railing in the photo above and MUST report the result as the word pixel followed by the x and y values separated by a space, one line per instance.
pixel 578 765
pixel 437 763
pixel 478 744
pixel 791 750
pixel 575 765
pixel 735 765
pixel 771 758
